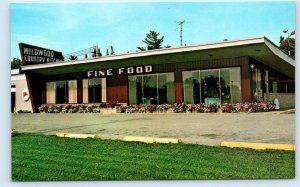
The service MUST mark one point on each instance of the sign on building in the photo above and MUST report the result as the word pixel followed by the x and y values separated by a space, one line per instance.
pixel 37 55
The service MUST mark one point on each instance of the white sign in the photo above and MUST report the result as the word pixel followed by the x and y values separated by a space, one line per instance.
pixel 129 70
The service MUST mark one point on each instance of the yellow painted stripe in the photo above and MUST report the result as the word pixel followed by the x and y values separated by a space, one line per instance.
pixel 286 147
pixel 69 135
pixel 150 139
pixel 287 111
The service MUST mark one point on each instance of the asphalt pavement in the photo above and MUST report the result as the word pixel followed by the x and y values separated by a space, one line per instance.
pixel 195 128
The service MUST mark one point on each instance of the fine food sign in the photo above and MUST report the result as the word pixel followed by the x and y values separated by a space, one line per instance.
pixel 119 71
pixel 38 55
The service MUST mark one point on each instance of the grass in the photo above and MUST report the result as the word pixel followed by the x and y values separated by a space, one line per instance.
pixel 49 158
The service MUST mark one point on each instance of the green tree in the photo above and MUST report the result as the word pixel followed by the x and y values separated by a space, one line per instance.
pixel 288 44
pixel 107 52
pixel 112 52
pixel 73 57
pixel 15 63
pixel 152 40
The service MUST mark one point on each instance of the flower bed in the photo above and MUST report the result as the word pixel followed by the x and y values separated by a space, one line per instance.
pixel 77 108
pixel 263 106
pixel 175 108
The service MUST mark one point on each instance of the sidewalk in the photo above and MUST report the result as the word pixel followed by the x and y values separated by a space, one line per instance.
pixel 208 129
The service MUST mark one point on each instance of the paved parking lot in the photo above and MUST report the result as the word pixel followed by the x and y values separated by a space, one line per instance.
pixel 209 129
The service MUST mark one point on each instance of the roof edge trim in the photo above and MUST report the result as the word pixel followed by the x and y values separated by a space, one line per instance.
pixel 278 52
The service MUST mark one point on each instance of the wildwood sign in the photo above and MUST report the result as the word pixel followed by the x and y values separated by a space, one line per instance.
pixel 38 55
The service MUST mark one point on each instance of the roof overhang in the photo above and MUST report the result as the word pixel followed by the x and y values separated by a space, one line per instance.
pixel 259 48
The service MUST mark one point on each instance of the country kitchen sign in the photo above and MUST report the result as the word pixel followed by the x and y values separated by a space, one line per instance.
pixel 37 55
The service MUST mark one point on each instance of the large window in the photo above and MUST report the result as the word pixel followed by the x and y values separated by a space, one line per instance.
pixel 94 90
pixel 61 92
pixel 151 89
pixel 212 86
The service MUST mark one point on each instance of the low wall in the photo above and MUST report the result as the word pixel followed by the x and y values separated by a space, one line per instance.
pixel 286 100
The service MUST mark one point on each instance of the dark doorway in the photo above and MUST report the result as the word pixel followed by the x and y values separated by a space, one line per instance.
pixel 13 101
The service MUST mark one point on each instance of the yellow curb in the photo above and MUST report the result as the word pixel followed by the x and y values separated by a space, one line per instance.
pixel 150 139
pixel 286 111
pixel 68 135
pixel 286 147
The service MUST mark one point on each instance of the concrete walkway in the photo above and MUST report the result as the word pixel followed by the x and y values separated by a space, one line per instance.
pixel 208 129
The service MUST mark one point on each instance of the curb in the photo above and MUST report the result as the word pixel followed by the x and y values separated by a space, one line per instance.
pixel 287 111
pixel 259 146
pixel 151 139
pixel 68 135
pixel 126 138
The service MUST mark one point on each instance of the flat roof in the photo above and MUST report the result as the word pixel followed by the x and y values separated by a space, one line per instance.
pixel 259 48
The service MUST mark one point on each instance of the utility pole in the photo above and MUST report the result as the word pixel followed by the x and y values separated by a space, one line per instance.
pixel 180 23
pixel 96 51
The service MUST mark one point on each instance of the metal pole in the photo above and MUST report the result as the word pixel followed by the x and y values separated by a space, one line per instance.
pixel 97 51
pixel 181 31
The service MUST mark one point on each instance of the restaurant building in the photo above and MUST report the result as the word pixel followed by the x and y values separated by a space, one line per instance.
pixel 246 70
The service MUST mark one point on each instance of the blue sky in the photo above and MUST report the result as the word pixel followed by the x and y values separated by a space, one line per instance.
pixel 70 27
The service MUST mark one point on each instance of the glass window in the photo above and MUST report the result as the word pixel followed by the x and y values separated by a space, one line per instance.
pixel 151 89
pixel 72 91
pixel 212 86
pixel 257 91
pixel 188 88
pixel 61 92
pixel 170 89
pixel 210 89
pixel 50 93
pixel 235 85
pixel 94 90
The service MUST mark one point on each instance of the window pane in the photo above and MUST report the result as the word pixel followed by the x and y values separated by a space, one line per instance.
pixel 256 85
pixel 94 90
pixel 150 89
pixel 132 90
pixel 225 86
pixel 235 87
pixel 210 90
pixel 196 87
pixel 170 88
pixel 187 77
pixel 72 91
pixel 91 90
pixel 61 92
pixel 85 93
pixel 50 86
pixel 162 89
pixel 139 89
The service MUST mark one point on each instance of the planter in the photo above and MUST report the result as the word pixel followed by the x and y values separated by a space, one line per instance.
pixel 110 110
